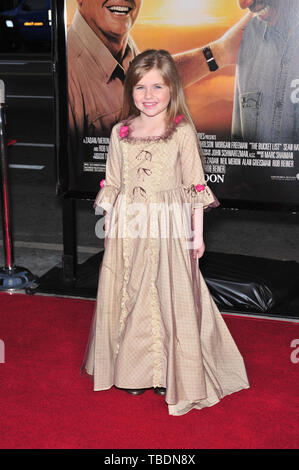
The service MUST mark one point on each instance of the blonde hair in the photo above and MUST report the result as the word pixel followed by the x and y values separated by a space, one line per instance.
pixel 162 61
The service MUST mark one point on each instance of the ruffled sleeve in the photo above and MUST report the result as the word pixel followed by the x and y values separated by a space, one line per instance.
pixel 196 190
pixel 107 195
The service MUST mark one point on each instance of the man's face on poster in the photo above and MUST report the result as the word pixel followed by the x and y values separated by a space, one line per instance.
pixel 265 10
pixel 114 18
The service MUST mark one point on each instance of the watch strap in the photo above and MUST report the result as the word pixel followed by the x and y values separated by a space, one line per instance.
pixel 212 64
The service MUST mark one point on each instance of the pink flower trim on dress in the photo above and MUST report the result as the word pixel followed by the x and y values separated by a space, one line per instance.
pixel 102 183
pixel 178 118
pixel 200 187
pixel 124 131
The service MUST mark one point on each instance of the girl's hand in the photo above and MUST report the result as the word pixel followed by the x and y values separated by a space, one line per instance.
pixel 197 226
pixel 198 252
pixel 106 228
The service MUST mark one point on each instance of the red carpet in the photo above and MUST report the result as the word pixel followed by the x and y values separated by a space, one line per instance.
pixel 46 404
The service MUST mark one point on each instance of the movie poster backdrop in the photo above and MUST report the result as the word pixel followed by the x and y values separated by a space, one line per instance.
pixel 247 116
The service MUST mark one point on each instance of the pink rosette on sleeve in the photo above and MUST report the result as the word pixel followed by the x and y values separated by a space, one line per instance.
pixel 200 187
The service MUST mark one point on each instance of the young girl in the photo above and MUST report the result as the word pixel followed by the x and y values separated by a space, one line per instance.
pixel 155 324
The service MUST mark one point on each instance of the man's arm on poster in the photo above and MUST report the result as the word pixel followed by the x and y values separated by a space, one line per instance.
pixel 236 117
pixel 192 65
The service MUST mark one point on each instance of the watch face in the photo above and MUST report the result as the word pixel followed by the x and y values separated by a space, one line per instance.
pixel 208 53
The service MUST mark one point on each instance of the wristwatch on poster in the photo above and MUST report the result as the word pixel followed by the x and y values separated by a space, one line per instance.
pixel 212 64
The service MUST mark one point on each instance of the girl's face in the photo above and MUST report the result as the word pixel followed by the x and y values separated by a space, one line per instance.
pixel 151 95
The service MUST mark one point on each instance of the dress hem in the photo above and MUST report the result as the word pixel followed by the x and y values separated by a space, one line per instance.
pixel 198 406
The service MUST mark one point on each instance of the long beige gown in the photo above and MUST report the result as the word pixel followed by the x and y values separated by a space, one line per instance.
pixel 155 323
